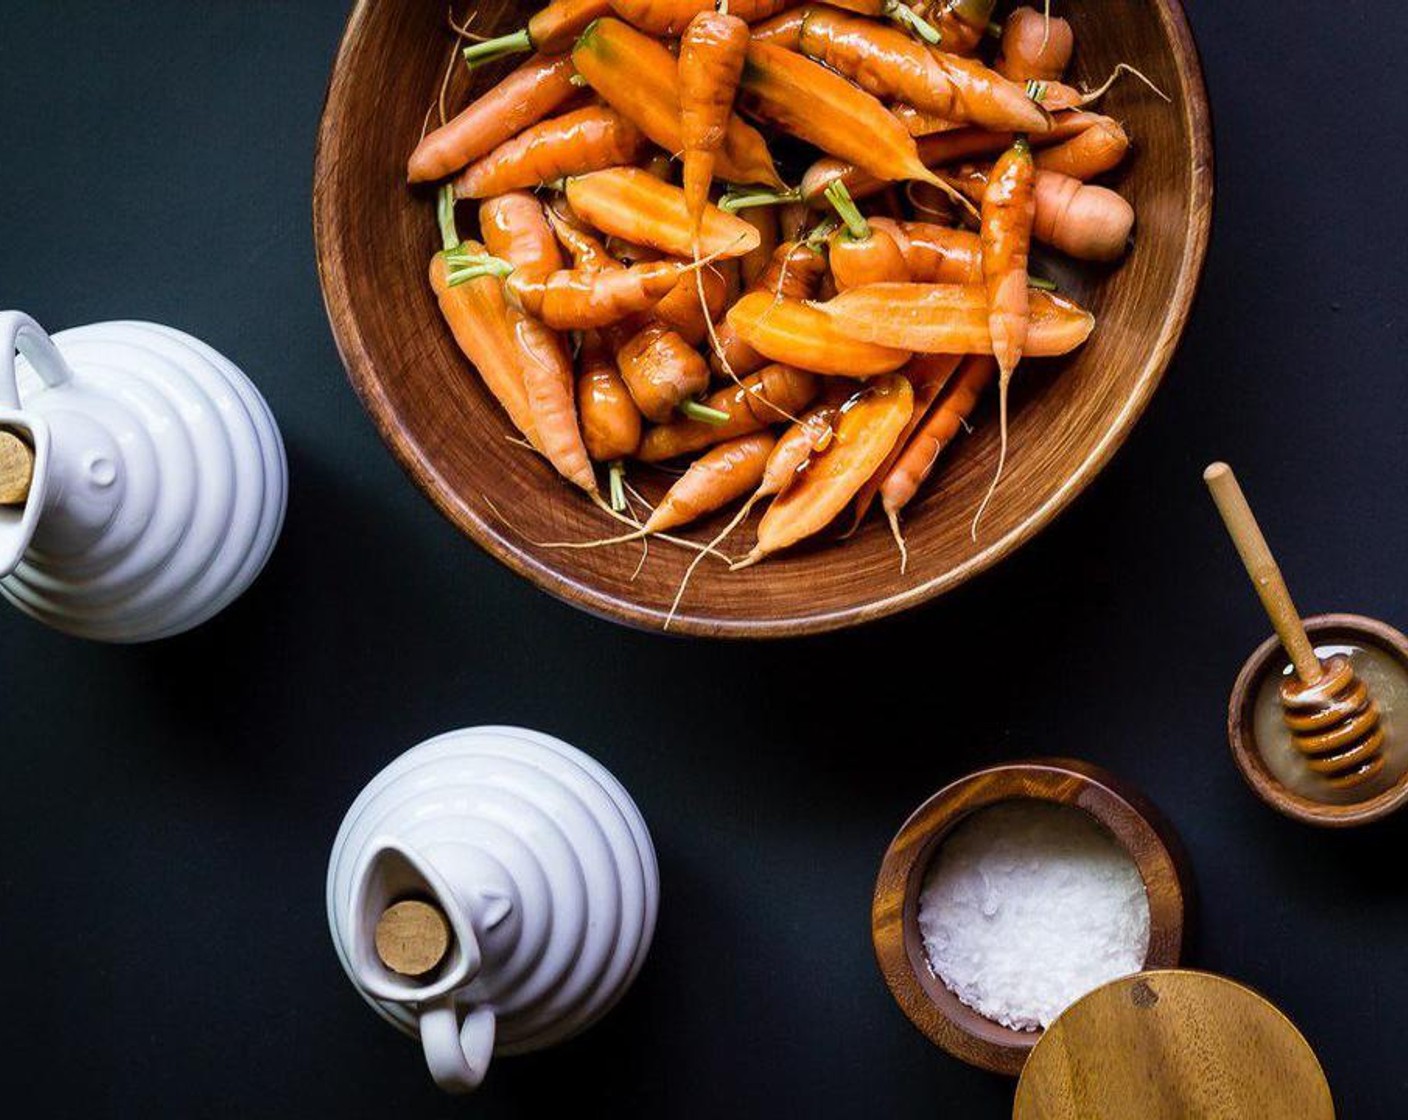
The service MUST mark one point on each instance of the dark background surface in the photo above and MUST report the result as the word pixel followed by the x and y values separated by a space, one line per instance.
pixel 166 812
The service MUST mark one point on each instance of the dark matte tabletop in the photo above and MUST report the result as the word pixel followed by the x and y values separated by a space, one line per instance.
pixel 166 811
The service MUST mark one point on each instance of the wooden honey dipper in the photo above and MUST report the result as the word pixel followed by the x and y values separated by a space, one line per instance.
pixel 1334 722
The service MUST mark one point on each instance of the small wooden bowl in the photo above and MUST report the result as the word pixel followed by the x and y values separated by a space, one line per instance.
pixel 375 238
pixel 899 944
pixel 1271 658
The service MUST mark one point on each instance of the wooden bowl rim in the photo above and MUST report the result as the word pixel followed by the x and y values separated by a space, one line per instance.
pixel 361 371
pixel 1248 757
pixel 898 943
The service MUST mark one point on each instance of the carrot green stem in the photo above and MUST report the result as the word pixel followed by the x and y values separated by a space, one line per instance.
pixel 1036 90
pixel 1041 282
pixel 732 202
pixel 477 54
pixel 993 29
pixel 617 476
pixel 845 206
pixel 818 236
pixel 913 21
pixel 461 268
pixel 1022 146
pixel 445 215
pixel 703 413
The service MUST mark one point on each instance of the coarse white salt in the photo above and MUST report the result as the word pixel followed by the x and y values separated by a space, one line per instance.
pixel 1027 906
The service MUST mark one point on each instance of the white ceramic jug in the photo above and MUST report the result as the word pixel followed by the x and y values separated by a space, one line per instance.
pixel 541 865
pixel 158 478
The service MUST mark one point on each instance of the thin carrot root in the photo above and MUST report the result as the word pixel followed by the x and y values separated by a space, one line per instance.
pixel 1123 68
pixel 639 535
pixel 738 520
pixel 1004 381
pixel 894 518
pixel 616 476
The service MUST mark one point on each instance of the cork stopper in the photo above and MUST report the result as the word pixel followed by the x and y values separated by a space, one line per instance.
pixel 16 469
pixel 412 937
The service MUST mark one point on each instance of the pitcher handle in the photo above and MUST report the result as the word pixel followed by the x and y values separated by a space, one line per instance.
pixel 18 332
pixel 457 1052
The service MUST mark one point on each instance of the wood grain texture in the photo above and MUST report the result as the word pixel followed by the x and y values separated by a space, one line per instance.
pixel 375 237
pixel 1271 658
pixel 899 944
pixel 1173 1046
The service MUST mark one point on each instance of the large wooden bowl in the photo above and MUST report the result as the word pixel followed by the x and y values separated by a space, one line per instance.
pixel 375 238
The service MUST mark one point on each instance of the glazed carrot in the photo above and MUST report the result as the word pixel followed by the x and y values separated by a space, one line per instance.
pixel 1035 47
pixel 920 122
pixel 910 18
pixel 754 263
pixel 869 426
pixel 586 250
pixel 935 254
pixel 783 30
pixel 821 107
pixel 949 319
pixel 583 140
pixel 927 374
pixel 516 230
pixel 552 29
pixel 1100 148
pixel 478 315
pixel 639 78
pixel 681 309
pixel 669 18
pixel 1083 221
pixel 945 420
pixel 628 203
pixel 547 381
pixel 792 219
pixel 799 334
pixel 770 396
pixel 793 272
pixel 611 423
pixel 527 95
pixel 888 63
pixel 577 299
pixel 712 51
pixel 858 252
pixel 713 480
pixel 661 370
pixel 962 23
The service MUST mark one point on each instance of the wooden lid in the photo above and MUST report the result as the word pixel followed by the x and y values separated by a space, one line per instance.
pixel 1175 1045
pixel 412 937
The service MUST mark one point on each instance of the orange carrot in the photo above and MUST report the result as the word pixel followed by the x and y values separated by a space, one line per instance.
pixel 794 271
pixel 681 309
pixel 639 78
pixel 547 380
pixel 935 254
pixel 661 370
pixel 858 252
pixel 821 107
pixel 799 334
pixel 868 428
pixel 586 250
pixel 527 95
pixel 755 263
pixel 770 396
pixel 669 18
pixel 611 423
pixel 576 299
pixel 916 462
pixel 888 63
pixel 921 122
pixel 962 24
pixel 472 302
pixel 713 480
pixel 1035 46
pixel 783 29
pixel 583 140
pixel 1009 211
pixel 552 29
pixel 628 203
pixel 516 230
pixel 949 319
pixel 1100 148
pixel 712 51
pixel 1083 221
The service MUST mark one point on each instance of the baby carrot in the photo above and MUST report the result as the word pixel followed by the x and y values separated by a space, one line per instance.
pixel 921 122
pixel 1100 148
pixel 551 29
pixel 628 203
pixel 783 30
pixel 547 380
pixel 888 63
pixel 793 272
pixel 669 18
pixel 661 370
pixel 527 95
pixel 516 230
pixel 799 334
pixel 586 250
pixel 916 461
pixel 770 396
pixel 935 254
pixel 712 51
pixel 949 319
pixel 860 253
pixel 1087 222
pixel 713 480
pixel 1035 46
pixel 681 309
pixel 586 139
pixel 639 78
pixel 821 107
pixel 754 263
pixel 478 315
pixel 869 426
pixel 577 299
pixel 611 423
pixel 962 24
